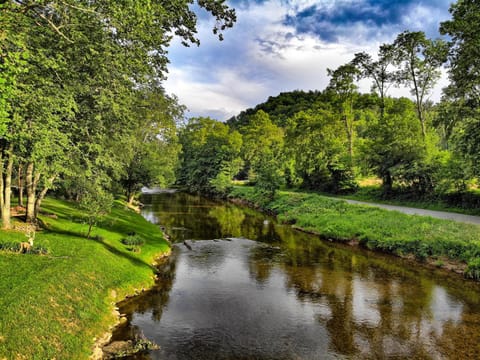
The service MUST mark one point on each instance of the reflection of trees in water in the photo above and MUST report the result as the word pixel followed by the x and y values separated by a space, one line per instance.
pixel 373 309
pixel 262 260
pixel 155 299
pixel 205 256
pixel 261 228
pixel 229 220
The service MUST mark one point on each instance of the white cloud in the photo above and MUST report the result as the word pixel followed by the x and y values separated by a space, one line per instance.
pixel 261 57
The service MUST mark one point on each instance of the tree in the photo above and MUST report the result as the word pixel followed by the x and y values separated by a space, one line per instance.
pixel 463 93
pixel 464 54
pixel 280 108
pixel 379 71
pixel 263 152
pixel 13 56
pixel 151 150
pixel 70 69
pixel 419 59
pixel 342 84
pixel 96 202
pixel 394 145
pixel 208 148
pixel 41 110
pixel 448 115
pixel 316 143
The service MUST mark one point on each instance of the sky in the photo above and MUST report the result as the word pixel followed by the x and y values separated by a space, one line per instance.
pixel 284 45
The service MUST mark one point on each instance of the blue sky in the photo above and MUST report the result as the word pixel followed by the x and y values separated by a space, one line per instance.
pixel 284 45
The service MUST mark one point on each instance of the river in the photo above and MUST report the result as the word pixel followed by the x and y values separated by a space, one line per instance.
pixel 245 287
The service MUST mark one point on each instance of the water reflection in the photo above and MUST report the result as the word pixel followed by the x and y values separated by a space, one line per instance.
pixel 287 295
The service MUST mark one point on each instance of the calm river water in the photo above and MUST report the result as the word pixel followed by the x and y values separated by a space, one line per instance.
pixel 250 288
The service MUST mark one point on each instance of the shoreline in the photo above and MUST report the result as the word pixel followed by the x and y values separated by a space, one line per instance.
pixel 443 263
pixel 101 342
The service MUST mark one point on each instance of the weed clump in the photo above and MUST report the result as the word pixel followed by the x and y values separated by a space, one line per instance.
pixel 133 242
pixel 15 247
pixel 473 269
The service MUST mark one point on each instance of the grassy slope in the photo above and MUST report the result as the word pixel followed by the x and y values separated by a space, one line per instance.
pixel 53 306
pixel 375 228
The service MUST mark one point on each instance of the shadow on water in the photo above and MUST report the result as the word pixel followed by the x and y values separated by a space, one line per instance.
pixel 288 295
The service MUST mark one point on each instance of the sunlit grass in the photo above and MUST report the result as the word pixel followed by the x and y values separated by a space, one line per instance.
pixel 370 190
pixel 375 228
pixel 52 306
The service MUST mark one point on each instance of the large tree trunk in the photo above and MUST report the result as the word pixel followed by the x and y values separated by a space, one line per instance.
pixel 6 186
pixel 349 131
pixel 382 106
pixel 31 180
pixel 41 195
pixel 90 226
pixel 20 184
pixel 387 184
pixel 2 185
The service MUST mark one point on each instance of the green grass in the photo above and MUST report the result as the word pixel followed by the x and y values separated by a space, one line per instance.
pixel 52 306
pixel 375 228
pixel 467 203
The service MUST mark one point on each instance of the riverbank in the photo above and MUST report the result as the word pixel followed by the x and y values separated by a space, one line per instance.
pixel 442 243
pixel 57 305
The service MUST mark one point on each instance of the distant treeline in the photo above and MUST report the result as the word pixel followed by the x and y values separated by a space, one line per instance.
pixel 325 140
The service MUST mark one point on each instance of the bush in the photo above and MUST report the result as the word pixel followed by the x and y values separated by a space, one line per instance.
pixel 133 240
pixel 10 246
pixel 473 269
pixel 15 247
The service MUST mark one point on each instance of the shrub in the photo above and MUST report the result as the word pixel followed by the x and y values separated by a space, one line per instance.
pixel 133 240
pixel 473 269
pixel 15 247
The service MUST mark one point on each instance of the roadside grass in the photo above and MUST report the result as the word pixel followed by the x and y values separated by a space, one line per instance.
pixel 376 229
pixel 466 203
pixel 52 306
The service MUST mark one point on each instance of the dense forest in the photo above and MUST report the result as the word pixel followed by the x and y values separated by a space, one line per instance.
pixel 327 140
pixel 83 111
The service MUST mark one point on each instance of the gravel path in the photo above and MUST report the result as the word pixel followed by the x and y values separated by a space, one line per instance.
pixel 471 219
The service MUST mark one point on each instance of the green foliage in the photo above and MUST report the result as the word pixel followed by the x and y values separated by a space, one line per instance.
pixel 14 247
pixel 473 269
pixel 96 203
pixel 222 183
pixel 209 148
pixel 316 143
pixel 463 30
pixel 151 152
pixel 395 142
pixel 81 91
pixel 262 150
pixel 280 108
pixel 379 71
pixel 133 240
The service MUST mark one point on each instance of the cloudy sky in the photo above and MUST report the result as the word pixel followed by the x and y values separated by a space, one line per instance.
pixel 284 45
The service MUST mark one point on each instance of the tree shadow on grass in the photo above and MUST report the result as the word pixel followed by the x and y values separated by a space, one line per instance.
pixel 134 260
